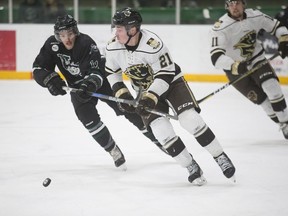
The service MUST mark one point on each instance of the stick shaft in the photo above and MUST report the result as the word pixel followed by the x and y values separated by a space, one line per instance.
pixel 238 79
pixel 120 100
pixel 159 113
pixel 106 97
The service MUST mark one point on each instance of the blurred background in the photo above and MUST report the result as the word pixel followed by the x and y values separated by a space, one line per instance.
pixel 171 19
pixel 100 11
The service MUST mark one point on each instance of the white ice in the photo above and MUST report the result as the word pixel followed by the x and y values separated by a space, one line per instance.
pixel 41 137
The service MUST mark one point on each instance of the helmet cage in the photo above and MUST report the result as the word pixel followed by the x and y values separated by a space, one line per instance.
pixel 67 23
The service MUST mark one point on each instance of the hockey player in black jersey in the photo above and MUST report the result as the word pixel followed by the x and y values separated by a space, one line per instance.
pixel 235 49
pixel 77 57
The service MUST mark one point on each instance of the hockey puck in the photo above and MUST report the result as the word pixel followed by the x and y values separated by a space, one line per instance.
pixel 46 182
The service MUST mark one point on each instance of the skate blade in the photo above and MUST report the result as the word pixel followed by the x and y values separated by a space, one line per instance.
pixel 233 179
pixel 122 167
pixel 200 181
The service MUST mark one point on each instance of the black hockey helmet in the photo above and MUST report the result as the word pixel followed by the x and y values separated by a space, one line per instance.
pixel 127 17
pixel 229 1
pixel 66 22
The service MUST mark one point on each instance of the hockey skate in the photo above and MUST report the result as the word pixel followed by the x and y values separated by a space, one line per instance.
pixel 284 129
pixel 196 174
pixel 226 166
pixel 118 157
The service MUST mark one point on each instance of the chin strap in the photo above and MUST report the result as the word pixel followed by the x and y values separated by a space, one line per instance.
pixel 128 39
pixel 130 36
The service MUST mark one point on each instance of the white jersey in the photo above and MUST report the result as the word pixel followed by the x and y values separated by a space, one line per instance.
pixel 234 40
pixel 150 65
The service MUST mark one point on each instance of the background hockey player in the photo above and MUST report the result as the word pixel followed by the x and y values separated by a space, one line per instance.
pixel 235 49
pixel 79 60
pixel 145 59
pixel 282 16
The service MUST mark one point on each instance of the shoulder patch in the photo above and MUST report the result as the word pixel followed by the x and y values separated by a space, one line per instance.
pixel 112 40
pixel 55 47
pixel 153 43
pixel 218 24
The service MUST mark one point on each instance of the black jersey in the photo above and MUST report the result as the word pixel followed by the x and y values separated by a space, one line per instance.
pixel 83 59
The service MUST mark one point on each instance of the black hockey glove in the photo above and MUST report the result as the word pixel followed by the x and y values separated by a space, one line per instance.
pixel 124 93
pixel 54 83
pixel 91 83
pixel 239 68
pixel 148 100
pixel 283 46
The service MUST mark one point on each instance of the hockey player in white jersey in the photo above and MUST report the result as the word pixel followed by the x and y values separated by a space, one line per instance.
pixel 144 58
pixel 235 49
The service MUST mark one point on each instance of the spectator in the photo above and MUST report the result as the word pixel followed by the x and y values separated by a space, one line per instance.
pixel 31 11
pixel 53 9
pixel 189 3
pixel 167 3
pixel 141 3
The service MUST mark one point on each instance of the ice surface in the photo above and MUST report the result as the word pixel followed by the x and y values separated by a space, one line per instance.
pixel 41 137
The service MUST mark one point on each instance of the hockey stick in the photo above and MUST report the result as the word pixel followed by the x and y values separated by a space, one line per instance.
pixel 107 97
pixel 134 102
pixel 238 79
pixel 159 113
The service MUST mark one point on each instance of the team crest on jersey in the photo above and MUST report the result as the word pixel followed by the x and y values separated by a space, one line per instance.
pixel 69 65
pixel 141 75
pixel 153 43
pixel 247 44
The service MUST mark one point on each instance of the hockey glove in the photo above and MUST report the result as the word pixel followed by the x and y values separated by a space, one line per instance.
pixel 148 101
pixel 91 83
pixel 124 93
pixel 54 83
pixel 283 46
pixel 239 68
